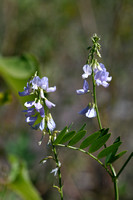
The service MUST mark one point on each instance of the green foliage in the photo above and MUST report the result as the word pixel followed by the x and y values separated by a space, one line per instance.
pixel 89 140
pixel 17 70
pixel 5 97
pixel 79 135
pixel 96 140
pixel 67 136
pixel 60 136
pixel 19 180
pixel 109 150
pixel 99 143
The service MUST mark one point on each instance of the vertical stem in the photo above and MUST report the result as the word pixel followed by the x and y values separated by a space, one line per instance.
pixel 55 156
pixel 95 101
pixel 59 171
pixel 114 179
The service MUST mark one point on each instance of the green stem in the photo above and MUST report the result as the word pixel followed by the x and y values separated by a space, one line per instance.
pixel 95 101
pixel 83 151
pixel 59 171
pixel 122 168
pixel 114 179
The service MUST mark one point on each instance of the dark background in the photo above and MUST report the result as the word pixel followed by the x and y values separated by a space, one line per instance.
pixel 58 33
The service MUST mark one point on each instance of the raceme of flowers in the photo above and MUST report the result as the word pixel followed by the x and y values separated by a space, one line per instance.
pixel 35 109
pixel 101 77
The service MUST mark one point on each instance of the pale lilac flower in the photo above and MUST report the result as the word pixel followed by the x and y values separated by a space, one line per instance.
pixel 44 83
pixel 27 91
pixel 91 113
pixel 50 123
pixel 45 86
pixel 88 112
pixel 102 76
pixel 87 71
pixel 36 82
pixel 85 88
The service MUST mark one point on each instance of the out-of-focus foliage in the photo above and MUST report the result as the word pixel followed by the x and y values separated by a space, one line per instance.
pixel 57 33
pixel 17 70
pixel 19 180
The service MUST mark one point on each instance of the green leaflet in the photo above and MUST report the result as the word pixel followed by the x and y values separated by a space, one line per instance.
pixel 82 128
pixel 77 137
pixel 67 137
pixel 90 139
pixel 104 131
pixel 111 155
pixel 109 150
pixel 117 156
pixel 99 143
pixel 60 136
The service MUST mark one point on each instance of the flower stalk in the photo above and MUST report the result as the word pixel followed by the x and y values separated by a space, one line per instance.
pixel 114 177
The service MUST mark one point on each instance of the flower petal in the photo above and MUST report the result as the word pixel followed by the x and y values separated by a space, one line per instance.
pixel 49 104
pixel 51 89
pixel 51 124
pixel 42 125
pixel 29 104
pixel 80 91
pixel 87 71
pixel 83 112
pixel 44 83
pixel 36 82
pixel 91 113
pixel 85 86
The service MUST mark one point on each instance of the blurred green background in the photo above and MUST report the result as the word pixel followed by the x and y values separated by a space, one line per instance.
pixel 57 33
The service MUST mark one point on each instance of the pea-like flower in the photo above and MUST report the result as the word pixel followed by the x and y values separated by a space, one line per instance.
pixel 85 88
pixel 88 112
pixel 50 122
pixel 102 76
pixel 87 71
pixel 27 91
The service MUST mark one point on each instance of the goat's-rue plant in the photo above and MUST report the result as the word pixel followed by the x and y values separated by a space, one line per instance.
pixel 38 116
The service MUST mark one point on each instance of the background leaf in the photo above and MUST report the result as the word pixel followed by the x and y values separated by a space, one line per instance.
pixel 17 70
pixel 19 180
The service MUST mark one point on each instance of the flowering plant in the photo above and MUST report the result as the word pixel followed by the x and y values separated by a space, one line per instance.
pixel 38 116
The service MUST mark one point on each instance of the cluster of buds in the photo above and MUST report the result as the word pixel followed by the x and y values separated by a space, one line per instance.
pixel 37 113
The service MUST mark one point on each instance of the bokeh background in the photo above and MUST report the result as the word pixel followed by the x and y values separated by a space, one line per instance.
pixel 57 33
